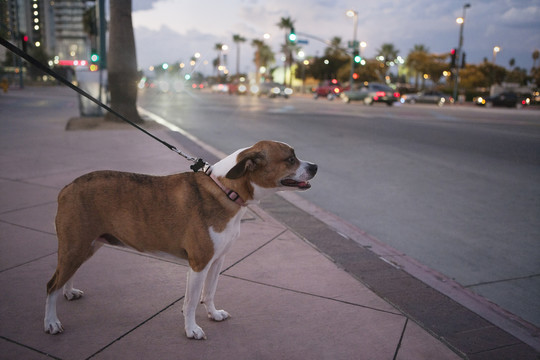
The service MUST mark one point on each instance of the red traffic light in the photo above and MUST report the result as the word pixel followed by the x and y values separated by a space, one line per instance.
pixel 25 38
pixel 453 51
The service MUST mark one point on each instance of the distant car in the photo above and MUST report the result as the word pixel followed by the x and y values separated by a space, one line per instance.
pixel 371 93
pixel 428 97
pixel 328 89
pixel 508 99
pixel 237 88
pixel 272 90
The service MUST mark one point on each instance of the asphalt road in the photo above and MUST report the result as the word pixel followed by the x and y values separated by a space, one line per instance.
pixel 456 188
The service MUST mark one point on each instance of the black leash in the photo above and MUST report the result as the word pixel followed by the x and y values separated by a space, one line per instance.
pixel 198 162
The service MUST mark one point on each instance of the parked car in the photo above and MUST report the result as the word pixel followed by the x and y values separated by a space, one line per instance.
pixel 237 88
pixel 272 90
pixel 428 97
pixel 328 89
pixel 371 93
pixel 508 99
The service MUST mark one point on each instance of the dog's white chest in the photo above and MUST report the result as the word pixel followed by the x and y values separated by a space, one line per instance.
pixel 223 240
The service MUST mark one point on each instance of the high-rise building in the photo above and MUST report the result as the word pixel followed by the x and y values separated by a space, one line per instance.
pixel 56 26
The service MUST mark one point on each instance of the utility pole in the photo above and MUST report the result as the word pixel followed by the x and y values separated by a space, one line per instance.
pixel 461 22
pixel 354 14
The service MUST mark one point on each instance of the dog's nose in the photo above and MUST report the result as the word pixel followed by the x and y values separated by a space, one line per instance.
pixel 312 169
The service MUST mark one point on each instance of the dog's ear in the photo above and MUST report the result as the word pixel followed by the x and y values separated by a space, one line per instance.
pixel 247 162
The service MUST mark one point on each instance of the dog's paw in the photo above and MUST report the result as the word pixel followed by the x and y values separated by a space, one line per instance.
pixel 73 294
pixel 53 327
pixel 195 332
pixel 218 315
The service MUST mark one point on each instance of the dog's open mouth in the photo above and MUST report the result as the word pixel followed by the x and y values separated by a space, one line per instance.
pixel 293 183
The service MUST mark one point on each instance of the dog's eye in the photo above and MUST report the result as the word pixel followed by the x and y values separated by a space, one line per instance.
pixel 291 160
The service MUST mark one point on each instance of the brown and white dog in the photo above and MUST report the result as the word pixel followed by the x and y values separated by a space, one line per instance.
pixel 189 215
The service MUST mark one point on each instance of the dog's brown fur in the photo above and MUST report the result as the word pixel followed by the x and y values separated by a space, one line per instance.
pixel 168 225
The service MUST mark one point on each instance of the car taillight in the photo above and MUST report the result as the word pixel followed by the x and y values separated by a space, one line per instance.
pixel 396 95
pixel 380 94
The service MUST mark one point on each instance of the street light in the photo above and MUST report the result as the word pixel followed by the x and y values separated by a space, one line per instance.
pixel 496 49
pixel 353 14
pixel 461 22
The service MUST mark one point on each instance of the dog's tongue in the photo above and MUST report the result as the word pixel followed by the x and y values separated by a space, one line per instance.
pixel 298 184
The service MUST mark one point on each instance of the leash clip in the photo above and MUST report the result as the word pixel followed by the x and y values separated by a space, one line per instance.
pixel 199 164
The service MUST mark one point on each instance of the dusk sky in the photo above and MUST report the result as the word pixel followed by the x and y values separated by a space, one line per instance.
pixel 173 30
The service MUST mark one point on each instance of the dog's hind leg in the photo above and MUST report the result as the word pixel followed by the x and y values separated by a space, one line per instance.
pixel 69 261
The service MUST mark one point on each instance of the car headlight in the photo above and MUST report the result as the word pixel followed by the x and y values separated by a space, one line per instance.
pixel 288 91
pixel 276 90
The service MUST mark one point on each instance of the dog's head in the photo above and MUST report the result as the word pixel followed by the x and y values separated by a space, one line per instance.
pixel 267 167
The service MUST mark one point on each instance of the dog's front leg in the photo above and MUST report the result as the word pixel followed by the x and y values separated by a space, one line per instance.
pixel 210 285
pixel 194 287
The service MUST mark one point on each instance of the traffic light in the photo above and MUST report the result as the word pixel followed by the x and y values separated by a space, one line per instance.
pixel 94 57
pixel 292 36
pixel 356 57
pixel 452 58
pixel 24 40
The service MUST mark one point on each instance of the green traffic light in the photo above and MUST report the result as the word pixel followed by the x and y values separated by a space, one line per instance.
pixel 357 59
pixel 94 57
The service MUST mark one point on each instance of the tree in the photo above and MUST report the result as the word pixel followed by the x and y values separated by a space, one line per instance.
pixel 217 62
pixel 387 55
pixel 535 56
pixel 417 61
pixel 263 56
pixel 517 76
pixel 335 49
pixel 287 24
pixel 122 62
pixel 238 39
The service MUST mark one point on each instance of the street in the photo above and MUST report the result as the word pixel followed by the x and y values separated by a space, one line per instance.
pixel 456 188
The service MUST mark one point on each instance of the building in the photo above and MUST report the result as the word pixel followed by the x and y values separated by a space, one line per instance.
pixel 54 26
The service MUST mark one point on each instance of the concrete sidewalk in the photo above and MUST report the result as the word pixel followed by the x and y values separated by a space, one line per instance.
pixel 287 299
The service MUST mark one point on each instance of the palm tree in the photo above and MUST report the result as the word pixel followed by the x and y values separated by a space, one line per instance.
pixel 287 24
pixel 217 63
pixel 335 49
pixel 238 39
pixel 535 56
pixel 417 61
pixel 263 56
pixel 389 55
pixel 122 62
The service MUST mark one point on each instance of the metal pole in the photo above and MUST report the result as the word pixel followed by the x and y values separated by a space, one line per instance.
pixel 353 48
pixel 102 49
pixel 458 53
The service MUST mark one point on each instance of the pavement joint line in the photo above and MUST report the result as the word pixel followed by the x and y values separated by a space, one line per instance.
pixel 29 347
pixel 397 313
pixel 26 182
pixel 136 327
pixel 28 262
pixel 28 207
pixel 28 228
pixel 254 251
pixel 401 338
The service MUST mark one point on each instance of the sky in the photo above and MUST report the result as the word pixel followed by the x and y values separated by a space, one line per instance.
pixel 174 30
